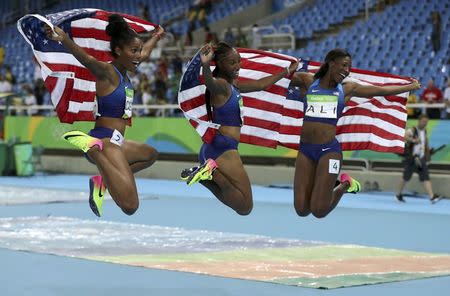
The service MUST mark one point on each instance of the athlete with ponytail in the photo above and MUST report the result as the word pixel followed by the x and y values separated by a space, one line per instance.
pixel 222 171
pixel 116 158
pixel 320 157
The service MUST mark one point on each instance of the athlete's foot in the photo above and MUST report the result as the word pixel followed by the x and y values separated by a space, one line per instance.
pixel 202 173
pixel 82 141
pixel 399 197
pixel 435 198
pixel 187 172
pixel 97 191
pixel 354 185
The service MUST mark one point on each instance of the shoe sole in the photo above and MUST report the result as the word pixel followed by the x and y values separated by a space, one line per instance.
pixel 358 189
pixel 92 203
pixel 436 200
pixel 197 176
pixel 66 137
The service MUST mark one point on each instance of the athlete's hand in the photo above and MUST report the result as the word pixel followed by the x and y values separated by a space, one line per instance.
pixel 159 33
pixel 56 34
pixel 292 67
pixel 206 54
pixel 415 84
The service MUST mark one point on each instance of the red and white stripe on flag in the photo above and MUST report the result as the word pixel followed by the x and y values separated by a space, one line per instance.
pixel 270 119
pixel 262 110
pixel 71 85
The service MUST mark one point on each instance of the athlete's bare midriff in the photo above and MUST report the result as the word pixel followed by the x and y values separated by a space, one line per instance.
pixel 317 132
pixel 112 123
pixel 231 131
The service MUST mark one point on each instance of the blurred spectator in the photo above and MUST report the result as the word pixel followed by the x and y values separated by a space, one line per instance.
pixel 29 99
pixel 47 101
pixel 412 99
pixel 198 11
pixel 9 75
pixel 2 55
pixel 39 91
pixel 177 41
pixel 229 37
pixel 447 98
pixel 177 64
pixel 417 155
pixel 256 37
pixel 163 68
pixel 432 95
pixel 172 86
pixel 436 31
pixel 143 11
pixel 160 89
pixel 5 85
pixel 143 83
pixel 188 38
pixel 241 39
pixel 210 37
pixel 148 99
pixel 37 69
pixel 148 67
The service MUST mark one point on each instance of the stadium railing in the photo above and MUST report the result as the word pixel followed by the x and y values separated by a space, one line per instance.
pixel 23 108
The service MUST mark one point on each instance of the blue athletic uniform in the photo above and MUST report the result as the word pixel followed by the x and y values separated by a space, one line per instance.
pixel 229 114
pixel 116 105
pixel 322 105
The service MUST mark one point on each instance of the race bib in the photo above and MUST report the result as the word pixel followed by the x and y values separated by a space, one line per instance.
pixel 241 109
pixel 323 106
pixel 129 95
pixel 117 138
pixel 95 109
pixel 334 166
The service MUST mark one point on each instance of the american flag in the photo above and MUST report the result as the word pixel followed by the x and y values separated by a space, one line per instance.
pixel 275 116
pixel 71 85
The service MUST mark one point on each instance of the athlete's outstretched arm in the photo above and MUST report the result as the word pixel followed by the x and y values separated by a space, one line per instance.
pixel 99 69
pixel 263 83
pixel 150 44
pixel 353 89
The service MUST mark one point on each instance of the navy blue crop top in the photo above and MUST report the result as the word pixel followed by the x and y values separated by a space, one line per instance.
pixel 324 105
pixel 229 114
pixel 118 103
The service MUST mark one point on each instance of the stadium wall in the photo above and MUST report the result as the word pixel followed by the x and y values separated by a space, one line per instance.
pixel 176 136
pixel 172 136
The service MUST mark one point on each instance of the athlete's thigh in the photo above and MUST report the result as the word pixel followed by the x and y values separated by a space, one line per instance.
pixel 327 171
pixel 117 158
pixel 305 170
pixel 136 151
pixel 231 166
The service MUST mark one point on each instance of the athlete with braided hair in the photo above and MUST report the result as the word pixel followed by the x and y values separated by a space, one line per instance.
pixel 222 171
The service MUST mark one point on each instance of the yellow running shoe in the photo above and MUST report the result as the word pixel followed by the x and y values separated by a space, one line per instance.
pixel 202 173
pixel 355 186
pixel 97 191
pixel 82 141
pixel 186 173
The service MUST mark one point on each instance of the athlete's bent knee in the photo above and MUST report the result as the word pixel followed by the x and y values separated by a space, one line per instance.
pixel 152 153
pixel 320 212
pixel 301 209
pixel 245 209
pixel 129 208
pixel 302 212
